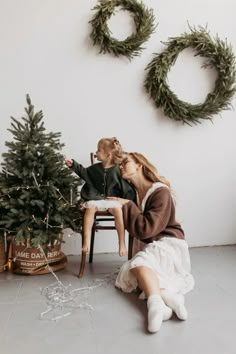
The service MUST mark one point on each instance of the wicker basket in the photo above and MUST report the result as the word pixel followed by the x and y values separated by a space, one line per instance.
pixel 32 260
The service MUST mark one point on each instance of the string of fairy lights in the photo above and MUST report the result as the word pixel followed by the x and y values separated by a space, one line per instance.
pixel 62 300
pixel 39 186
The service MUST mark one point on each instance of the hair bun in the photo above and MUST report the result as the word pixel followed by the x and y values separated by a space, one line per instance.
pixel 116 141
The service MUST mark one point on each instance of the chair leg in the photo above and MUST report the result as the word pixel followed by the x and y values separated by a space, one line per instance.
pixel 130 247
pixel 83 258
pixel 82 264
pixel 92 243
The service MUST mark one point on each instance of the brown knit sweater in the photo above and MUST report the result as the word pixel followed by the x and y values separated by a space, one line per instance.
pixel 156 221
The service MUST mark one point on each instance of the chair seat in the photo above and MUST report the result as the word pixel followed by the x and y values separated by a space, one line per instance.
pixel 103 213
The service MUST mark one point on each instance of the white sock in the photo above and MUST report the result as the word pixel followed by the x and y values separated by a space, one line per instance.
pixel 167 310
pixel 176 303
pixel 157 312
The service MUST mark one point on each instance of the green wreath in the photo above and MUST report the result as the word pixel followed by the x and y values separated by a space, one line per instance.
pixel 132 45
pixel 219 55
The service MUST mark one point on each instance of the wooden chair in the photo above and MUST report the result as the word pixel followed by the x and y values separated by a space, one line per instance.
pixel 101 219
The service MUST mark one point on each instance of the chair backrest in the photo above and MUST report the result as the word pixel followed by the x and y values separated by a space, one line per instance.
pixel 92 157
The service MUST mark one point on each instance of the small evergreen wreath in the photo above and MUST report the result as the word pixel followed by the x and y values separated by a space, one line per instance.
pixel 132 45
pixel 219 55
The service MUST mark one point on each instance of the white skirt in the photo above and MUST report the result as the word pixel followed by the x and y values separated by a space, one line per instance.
pixel 168 258
pixel 103 204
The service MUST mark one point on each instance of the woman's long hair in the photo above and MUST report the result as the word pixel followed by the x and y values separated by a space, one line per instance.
pixel 149 171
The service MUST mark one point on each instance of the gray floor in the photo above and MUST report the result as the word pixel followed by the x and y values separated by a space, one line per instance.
pixel 117 322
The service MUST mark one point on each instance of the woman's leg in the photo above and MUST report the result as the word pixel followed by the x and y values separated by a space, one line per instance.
pixel 119 223
pixel 147 280
pixel 149 283
pixel 87 227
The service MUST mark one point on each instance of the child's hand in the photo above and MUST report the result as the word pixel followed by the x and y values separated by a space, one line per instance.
pixel 69 163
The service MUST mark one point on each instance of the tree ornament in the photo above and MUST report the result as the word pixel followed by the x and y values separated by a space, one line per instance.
pixel 219 55
pixel 132 45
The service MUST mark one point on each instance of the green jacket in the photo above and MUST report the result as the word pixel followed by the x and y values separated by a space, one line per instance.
pixel 103 182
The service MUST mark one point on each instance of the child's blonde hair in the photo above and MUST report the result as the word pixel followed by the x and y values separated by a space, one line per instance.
pixel 113 146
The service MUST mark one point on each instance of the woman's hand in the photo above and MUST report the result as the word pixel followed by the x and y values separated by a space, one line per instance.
pixel 120 200
pixel 69 163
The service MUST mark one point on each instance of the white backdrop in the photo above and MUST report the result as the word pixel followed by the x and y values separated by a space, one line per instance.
pixel 45 50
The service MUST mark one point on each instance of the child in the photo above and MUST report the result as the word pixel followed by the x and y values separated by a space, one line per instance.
pixel 103 180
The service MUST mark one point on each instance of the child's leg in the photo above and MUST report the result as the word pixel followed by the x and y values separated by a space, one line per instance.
pixel 87 227
pixel 119 223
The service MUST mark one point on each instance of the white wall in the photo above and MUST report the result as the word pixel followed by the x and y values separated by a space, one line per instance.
pixel 45 51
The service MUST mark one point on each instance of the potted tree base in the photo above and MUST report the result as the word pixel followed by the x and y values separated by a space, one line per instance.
pixel 34 261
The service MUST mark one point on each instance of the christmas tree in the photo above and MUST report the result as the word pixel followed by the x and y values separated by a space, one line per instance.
pixel 38 193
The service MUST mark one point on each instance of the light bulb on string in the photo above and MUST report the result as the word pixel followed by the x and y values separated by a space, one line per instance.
pixel 5 240
pixel 71 196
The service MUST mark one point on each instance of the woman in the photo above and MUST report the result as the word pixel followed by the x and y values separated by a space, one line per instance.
pixel 162 269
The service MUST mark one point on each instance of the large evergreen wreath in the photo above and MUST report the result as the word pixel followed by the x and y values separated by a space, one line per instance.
pixel 219 55
pixel 132 45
